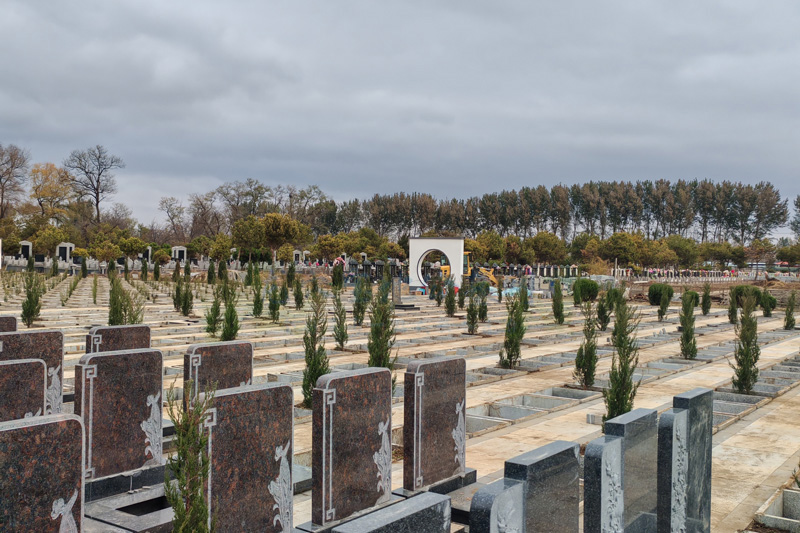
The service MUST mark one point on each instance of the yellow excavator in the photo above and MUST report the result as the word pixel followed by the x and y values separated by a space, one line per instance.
pixel 481 274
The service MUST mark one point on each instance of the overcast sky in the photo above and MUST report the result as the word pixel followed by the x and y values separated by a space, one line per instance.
pixel 455 98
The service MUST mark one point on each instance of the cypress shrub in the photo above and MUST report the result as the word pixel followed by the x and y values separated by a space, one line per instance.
pixel 176 272
pixel 523 294
pixel 621 391
pixel 187 300
pixel 211 275
pixel 274 303
pixel 284 292
pixel 116 306
pixel 586 359
pixel 482 290
pixel 156 270
pixel 213 314
pixel 603 312
pixel 664 306
pixel 462 293
pixel 340 324
pixel 32 305
pixel 768 303
pixel 222 271
pixel 733 309
pixel 584 290
pixel 290 273
pixel 558 302
pixel 258 297
pixel 362 295
pixel 94 289
pixel 788 319
pixel 381 329
pixel 84 268
pixel 314 285
pixel 747 351
pixel 438 290
pixel 337 277
pixel 499 289
pixel 705 304
pixel 187 271
pixel 515 331
pixel 314 345
pixel 654 293
pixel 688 341
pixel 144 270
pixel 298 294
pixel 450 299
pixel 472 316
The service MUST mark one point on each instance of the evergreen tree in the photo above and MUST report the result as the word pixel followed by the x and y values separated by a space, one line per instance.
pixel 688 341
pixel 248 277
pixel 94 289
pixel 500 289
pixel 603 312
pixel 54 269
pixel 340 326
pixel 523 293
pixel 663 306
pixel 187 271
pixel 621 391
pixel 515 330
pixel 177 296
pixel 290 274
pixel 586 360
pixel 438 290
pixel 213 314
pixel 222 271
pixel 362 295
pixel 144 269
pixel 32 305
pixel 450 299
pixel 788 319
pixel 156 270
pixel 472 316
pixel 116 305
pixel 747 351
pixel 337 278
pixel 382 332
pixel 298 294
pixel 705 304
pixel 230 324
pixel 314 344
pixel 189 465
pixel 768 303
pixel 176 272
pixel 462 293
pixel 187 299
pixel 258 297
pixel 733 308
pixel 31 266
pixel 558 302
pixel 84 268
pixel 274 304
pixel 314 285
pixel 284 293
pixel 125 269
pixel 482 289
pixel 211 276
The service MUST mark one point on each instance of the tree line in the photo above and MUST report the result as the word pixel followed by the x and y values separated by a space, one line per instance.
pixel 645 222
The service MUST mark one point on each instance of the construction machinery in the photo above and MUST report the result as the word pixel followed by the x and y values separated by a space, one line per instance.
pixel 480 273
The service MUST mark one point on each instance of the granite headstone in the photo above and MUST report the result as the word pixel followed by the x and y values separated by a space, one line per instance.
pixel 45 345
pixel 434 428
pixel 351 443
pixel 8 323
pixel 41 486
pixel 250 449
pixel 23 388
pixel 603 504
pixel 426 512
pixel 118 394
pixel 116 338
pixel 221 365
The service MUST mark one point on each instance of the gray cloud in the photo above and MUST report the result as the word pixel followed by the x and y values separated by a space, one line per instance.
pixel 451 97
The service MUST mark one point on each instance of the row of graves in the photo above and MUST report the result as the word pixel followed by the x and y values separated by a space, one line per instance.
pixel 102 466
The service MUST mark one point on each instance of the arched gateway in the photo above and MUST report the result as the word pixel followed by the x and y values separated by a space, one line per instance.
pixel 419 247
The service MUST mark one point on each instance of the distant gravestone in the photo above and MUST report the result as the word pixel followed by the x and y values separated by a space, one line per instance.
pixel 434 428
pixel 45 345
pixel 351 444
pixel 41 486
pixel 116 338
pixel 684 463
pixel 118 394
pixel 540 491
pixel 250 449
pixel 426 512
pixel 23 389
pixel 8 323
pixel 397 296
pixel 222 365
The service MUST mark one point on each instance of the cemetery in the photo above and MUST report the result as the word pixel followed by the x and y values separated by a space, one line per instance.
pixel 458 432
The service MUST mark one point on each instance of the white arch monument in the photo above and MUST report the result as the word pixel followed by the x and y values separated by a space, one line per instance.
pixel 418 248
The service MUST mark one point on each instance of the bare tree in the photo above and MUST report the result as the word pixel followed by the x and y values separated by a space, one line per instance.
pixel 205 217
pixel 92 174
pixel 13 171
pixel 173 208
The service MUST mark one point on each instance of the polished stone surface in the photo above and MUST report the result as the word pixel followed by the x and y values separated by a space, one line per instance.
pixel 603 504
pixel 639 432
pixel 699 405
pixel 8 323
pixel 118 394
pixel 673 469
pixel 552 486
pixel 251 454
pixel 116 338
pixel 46 345
pixel 498 506
pixel 424 513
pixel 23 388
pixel 434 428
pixel 221 365
pixel 41 486
pixel 351 444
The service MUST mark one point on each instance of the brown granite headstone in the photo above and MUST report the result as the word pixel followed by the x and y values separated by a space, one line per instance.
pixel 351 443
pixel 434 426
pixel 45 345
pixel 8 323
pixel 116 338
pixel 41 486
pixel 250 448
pixel 222 365
pixel 118 394
pixel 23 388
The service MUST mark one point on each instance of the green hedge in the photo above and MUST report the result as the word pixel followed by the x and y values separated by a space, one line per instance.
pixel 695 297
pixel 654 293
pixel 584 290
pixel 740 292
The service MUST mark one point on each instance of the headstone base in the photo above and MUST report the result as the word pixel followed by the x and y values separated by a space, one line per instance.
pixel 444 486
pixel 424 513
pixel 121 483
pixel 144 510
pixel 310 527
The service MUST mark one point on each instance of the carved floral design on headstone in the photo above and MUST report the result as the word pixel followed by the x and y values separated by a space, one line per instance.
pixel 281 489
pixel 64 511
pixel 383 459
